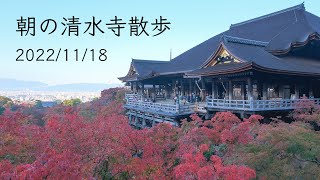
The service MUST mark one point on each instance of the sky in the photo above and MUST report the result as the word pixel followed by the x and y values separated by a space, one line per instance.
pixel 192 22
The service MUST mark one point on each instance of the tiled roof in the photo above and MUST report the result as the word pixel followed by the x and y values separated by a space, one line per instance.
pixel 259 41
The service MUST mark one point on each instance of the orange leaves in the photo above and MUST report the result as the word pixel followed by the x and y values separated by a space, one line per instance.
pixel 94 140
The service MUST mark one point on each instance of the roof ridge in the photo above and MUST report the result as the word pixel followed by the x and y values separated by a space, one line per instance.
pixel 300 6
pixel 245 41
pixel 149 61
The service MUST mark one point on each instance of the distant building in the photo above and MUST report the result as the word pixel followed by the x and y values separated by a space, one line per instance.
pixel 261 65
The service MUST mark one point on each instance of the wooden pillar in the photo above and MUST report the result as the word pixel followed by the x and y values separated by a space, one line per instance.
pixel 182 87
pixel 203 91
pixel 142 88
pixel 265 91
pixel 130 118
pixel 143 121
pixel 142 91
pixel 213 87
pixel 310 90
pixel 147 93
pixel 259 90
pixel 136 87
pixel 190 86
pixel 250 89
pixel 281 91
pixel 296 91
pixel 173 88
pixel 166 91
pixel 169 90
pixel 196 89
pixel 154 91
pixel 243 90
pixel 136 119
pixel 131 86
pixel 230 90
pixel 153 121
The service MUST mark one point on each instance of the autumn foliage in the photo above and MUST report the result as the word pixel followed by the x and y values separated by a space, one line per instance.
pixel 95 141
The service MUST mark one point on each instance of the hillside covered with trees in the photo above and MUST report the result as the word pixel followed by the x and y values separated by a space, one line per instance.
pixel 94 141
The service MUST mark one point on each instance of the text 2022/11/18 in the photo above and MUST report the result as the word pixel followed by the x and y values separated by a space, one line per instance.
pixel 61 55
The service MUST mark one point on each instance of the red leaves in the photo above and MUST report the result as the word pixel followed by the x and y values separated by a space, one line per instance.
pixel 255 118
pixel 196 167
pixel 232 172
pixel 203 148
pixel 227 136
pixel 224 120
pixel 95 141
pixel 306 111
pixel 6 169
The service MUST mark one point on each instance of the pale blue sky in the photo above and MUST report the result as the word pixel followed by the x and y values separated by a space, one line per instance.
pixel 192 22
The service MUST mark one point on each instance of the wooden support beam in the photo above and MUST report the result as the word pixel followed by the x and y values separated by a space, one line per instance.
pixel 174 88
pixel 144 121
pixel 131 86
pixel 243 85
pixel 196 89
pixel 190 86
pixel 142 91
pixel 153 121
pixel 259 90
pixel 213 87
pixel 311 95
pixel 296 91
pixel 130 118
pixel 264 91
pixel 136 119
pixel 203 91
pixel 281 90
pixel 147 93
pixel 166 91
pixel 136 87
pixel 142 88
pixel 230 89
pixel 182 87
pixel 250 89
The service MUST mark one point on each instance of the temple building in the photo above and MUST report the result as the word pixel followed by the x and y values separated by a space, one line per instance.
pixel 263 65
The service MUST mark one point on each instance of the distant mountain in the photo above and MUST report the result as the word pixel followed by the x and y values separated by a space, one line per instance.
pixel 81 87
pixel 15 85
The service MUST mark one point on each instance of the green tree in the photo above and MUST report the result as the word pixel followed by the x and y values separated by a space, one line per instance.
pixel 72 102
pixel 38 104
pixel 2 109
pixel 4 100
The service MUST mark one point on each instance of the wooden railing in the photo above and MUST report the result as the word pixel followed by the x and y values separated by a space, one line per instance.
pixel 137 102
pixel 133 97
pixel 256 105
pixel 200 107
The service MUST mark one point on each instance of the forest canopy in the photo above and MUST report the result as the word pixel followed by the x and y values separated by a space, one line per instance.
pixel 94 141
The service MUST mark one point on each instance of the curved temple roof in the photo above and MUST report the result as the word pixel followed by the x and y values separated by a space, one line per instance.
pixel 262 43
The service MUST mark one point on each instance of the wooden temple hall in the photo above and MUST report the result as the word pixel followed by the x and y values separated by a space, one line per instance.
pixel 263 65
